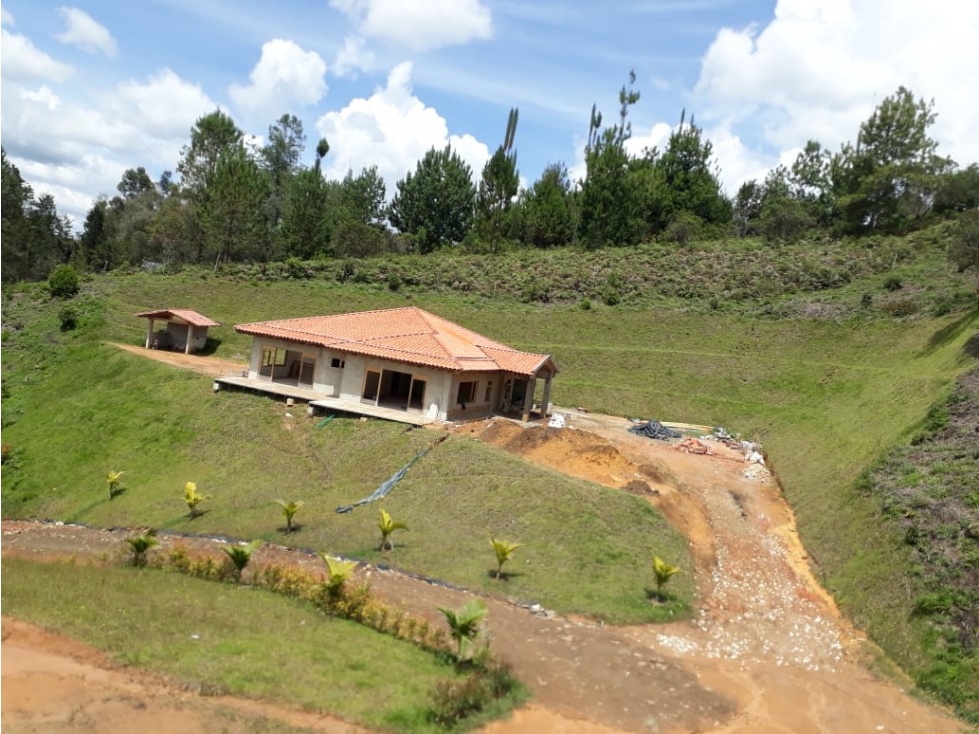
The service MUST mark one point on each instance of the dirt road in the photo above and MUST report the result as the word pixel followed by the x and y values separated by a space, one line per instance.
pixel 766 652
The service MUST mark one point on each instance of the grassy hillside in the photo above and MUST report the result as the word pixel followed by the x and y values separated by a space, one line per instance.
pixel 843 375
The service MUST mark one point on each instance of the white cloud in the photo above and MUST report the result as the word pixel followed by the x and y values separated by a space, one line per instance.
pixel 285 76
pixel 392 129
pixel 6 18
pixel 819 68
pixel 657 137
pixel 419 25
pixel 353 57
pixel 165 106
pixel 81 150
pixel 22 61
pixel 82 31
pixel 70 183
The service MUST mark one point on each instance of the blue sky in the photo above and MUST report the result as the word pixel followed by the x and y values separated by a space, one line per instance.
pixel 93 88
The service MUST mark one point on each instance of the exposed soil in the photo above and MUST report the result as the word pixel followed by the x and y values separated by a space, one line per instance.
pixel 206 365
pixel 767 651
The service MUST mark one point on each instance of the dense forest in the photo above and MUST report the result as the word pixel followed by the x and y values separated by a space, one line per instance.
pixel 232 201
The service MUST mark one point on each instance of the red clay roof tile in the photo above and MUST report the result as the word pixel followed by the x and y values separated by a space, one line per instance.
pixel 406 334
pixel 168 314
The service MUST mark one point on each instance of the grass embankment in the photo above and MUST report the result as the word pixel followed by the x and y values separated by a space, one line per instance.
pixel 826 397
pixel 229 639
pixel 586 547
pixel 930 487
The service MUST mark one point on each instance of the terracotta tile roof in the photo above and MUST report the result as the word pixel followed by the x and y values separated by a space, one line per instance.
pixel 179 314
pixel 406 334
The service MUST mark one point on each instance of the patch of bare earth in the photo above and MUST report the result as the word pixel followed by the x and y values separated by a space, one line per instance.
pixel 766 652
pixel 53 684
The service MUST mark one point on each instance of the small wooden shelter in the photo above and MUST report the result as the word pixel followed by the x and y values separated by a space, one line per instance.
pixel 184 331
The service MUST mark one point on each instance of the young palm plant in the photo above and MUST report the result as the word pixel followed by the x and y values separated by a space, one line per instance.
pixel 289 510
pixel 387 526
pixel 663 572
pixel 464 624
pixel 114 480
pixel 504 550
pixel 193 498
pixel 339 571
pixel 141 544
pixel 240 555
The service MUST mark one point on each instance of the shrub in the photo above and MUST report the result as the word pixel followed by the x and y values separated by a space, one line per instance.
pixel 584 304
pixel 63 282
pixel 69 318
pixel 456 700
pixel 893 283
pixel 683 228
pixel 900 307
pixel 611 297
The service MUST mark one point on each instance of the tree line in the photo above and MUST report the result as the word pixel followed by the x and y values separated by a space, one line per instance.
pixel 234 201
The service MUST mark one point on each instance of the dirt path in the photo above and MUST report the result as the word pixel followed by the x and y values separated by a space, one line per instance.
pixel 206 365
pixel 766 652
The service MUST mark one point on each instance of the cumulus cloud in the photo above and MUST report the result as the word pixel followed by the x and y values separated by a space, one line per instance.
pixel 353 57
pixel 165 106
pixel 83 31
pixel 6 18
pixel 419 25
pixel 285 76
pixel 81 151
pixel 392 129
pixel 819 68
pixel 22 61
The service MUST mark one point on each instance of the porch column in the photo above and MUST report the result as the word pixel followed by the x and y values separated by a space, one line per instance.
pixel 149 331
pixel 547 395
pixel 528 401
pixel 190 338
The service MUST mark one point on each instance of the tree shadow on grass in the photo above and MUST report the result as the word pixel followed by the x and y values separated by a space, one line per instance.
pixel 971 347
pixel 504 576
pixel 284 530
pixel 953 331
pixel 210 347
pixel 659 597
pixel 117 492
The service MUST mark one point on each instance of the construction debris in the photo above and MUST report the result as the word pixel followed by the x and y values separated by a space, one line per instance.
pixel 556 421
pixel 654 429
pixel 693 446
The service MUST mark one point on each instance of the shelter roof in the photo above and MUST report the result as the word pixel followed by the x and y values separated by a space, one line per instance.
pixel 181 315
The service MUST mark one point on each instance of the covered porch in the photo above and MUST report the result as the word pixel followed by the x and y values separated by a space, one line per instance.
pixel 528 397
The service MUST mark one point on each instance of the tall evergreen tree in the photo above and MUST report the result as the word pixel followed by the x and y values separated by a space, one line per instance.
pixel 19 250
pixel 889 179
pixel 498 187
pixel 435 204
pixel 232 218
pixel 610 212
pixel 305 229
pixel 92 243
pixel 545 213
pixel 211 135
pixel 692 184
pixel 280 157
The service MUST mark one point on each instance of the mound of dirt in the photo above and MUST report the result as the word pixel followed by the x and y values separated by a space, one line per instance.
pixel 581 453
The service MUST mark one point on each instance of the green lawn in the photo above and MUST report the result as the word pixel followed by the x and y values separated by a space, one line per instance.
pixel 238 640
pixel 586 547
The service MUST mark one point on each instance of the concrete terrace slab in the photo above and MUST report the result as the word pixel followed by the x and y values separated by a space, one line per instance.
pixel 318 400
